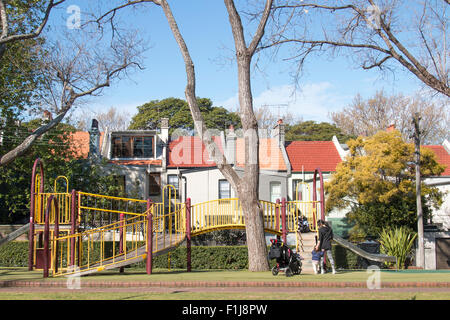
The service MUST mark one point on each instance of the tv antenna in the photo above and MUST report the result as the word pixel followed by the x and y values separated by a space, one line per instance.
pixel 278 106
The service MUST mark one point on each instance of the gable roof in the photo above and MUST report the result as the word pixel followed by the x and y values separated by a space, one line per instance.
pixel 442 157
pixel 310 155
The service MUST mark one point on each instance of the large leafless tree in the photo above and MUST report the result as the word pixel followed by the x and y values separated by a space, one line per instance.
pixel 247 185
pixel 373 34
pixel 365 117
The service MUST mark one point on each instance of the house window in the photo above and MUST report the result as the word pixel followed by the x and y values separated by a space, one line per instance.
pixel 154 184
pixel 224 189
pixel 275 191
pixel 132 147
pixel 172 179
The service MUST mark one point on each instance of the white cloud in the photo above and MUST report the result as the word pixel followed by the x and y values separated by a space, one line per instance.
pixel 313 101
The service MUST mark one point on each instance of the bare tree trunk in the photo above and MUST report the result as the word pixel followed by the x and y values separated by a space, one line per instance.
pixel 248 193
pixel 247 187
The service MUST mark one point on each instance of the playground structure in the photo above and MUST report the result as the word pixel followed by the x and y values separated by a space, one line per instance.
pixel 74 232
pixel 78 232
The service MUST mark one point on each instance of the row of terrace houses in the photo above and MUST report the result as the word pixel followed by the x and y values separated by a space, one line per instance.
pixel 154 160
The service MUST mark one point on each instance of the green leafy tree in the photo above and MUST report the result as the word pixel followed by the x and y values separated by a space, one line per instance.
pixel 377 181
pixel 312 131
pixel 177 110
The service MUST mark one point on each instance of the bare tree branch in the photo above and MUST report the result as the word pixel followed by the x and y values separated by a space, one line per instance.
pixel 366 30
pixel 6 37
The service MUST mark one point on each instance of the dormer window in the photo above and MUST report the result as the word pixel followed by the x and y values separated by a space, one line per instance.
pixel 127 146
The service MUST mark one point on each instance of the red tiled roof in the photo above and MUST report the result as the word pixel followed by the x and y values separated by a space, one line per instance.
pixel 442 157
pixel 312 155
pixel 190 152
pixel 270 156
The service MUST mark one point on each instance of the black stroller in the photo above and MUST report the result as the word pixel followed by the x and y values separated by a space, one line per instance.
pixel 288 261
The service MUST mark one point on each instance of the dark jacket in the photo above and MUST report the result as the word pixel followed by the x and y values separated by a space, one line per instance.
pixel 325 237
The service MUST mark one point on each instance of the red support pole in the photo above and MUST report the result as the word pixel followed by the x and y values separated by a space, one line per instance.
pixel 322 192
pixel 149 237
pixel 121 242
pixel 73 229
pixel 277 215
pixel 283 219
pixel 188 235
pixel 32 210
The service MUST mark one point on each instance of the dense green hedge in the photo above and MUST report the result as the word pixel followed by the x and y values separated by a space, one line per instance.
pixel 15 254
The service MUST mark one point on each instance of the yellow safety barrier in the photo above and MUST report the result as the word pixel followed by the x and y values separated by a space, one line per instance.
pixel 101 247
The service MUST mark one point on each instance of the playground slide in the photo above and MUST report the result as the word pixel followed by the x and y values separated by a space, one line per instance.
pixel 362 253
pixel 15 234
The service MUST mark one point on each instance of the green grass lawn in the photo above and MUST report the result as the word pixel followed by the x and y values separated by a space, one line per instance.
pixel 161 275
pixel 133 275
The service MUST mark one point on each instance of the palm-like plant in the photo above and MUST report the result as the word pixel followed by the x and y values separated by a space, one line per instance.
pixel 397 242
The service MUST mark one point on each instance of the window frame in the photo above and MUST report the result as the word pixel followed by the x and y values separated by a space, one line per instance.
pixel 177 187
pixel 218 189
pixel 117 153
pixel 272 183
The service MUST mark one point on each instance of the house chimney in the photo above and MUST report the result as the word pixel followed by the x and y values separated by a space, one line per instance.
pixel 280 132
pixel 165 130
pixel 231 146
pixel 94 139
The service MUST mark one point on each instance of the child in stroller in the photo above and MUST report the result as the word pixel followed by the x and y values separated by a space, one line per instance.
pixel 288 261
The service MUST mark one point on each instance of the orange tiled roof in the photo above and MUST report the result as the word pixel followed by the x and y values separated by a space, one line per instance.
pixel 442 157
pixel 270 156
pixel 190 152
pixel 310 155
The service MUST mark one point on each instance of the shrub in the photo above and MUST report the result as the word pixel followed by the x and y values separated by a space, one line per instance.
pixel 397 242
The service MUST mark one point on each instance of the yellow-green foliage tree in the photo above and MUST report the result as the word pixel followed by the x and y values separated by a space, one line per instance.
pixel 377 182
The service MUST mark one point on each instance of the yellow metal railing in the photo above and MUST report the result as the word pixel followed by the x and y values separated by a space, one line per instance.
pixel 297 209
pixel 98 248
pixel 216 214
pixel 272 215
pixel 227 214
pixel 169 229
pixel 96 210
pixel 64 204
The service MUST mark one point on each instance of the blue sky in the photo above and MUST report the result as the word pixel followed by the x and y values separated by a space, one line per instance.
pixel 327 85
